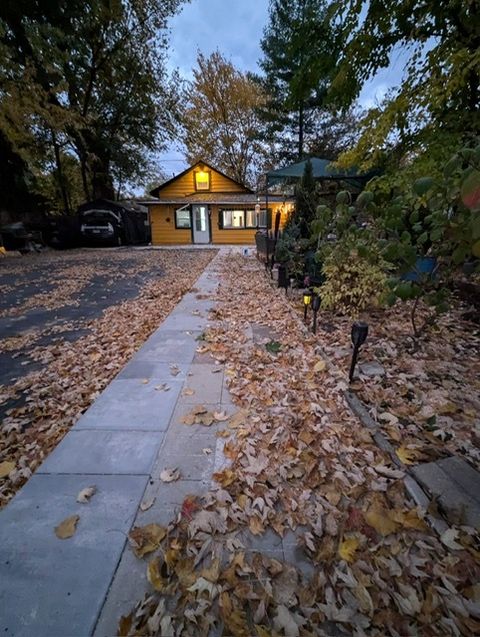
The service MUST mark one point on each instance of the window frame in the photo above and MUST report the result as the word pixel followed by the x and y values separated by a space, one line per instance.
pixel 245 227
pixel 183 209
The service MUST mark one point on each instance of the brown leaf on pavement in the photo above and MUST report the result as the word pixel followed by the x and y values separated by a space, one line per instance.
pixel 67 527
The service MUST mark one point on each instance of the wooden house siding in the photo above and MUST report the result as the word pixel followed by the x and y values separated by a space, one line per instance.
pixel 163 231
pixel 185 185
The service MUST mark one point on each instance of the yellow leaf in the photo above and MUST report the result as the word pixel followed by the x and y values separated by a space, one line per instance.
pixel 320 366
pixel 381 520
pixel 225 477
pixel 212 573
pixel 255 525
pixel 67 528
pixel 124 625
pixel 407 456
pixel 347 549
pixel 145 539
pixel 5 468
pixel 410 519
pixel 154 576
pixel 262 631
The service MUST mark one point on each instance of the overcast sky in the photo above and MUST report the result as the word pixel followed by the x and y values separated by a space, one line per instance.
pixel 235 27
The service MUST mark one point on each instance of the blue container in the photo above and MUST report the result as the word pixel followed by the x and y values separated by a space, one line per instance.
pixel 424 267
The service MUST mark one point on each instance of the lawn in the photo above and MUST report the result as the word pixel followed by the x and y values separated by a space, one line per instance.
pixel 69 321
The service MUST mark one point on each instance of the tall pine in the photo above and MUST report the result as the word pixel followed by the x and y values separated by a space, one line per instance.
pixel 300 48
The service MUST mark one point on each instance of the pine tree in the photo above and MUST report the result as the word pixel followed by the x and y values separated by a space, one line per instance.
pixel 300 47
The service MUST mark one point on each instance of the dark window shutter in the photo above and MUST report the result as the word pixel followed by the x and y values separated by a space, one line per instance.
pixel 269 218
pixel 220 219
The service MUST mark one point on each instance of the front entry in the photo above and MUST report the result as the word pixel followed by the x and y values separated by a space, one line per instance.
pixel 201 224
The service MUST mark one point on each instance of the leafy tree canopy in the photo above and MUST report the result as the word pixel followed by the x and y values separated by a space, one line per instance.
pixel 220 123
pixel 437 103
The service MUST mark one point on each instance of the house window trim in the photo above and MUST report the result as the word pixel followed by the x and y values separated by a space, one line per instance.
pixel 209 173
pixel 189 210
pixel 244 227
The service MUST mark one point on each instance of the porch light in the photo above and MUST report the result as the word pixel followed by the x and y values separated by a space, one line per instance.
pixel 315 307
pixel 307 299
pixel 202 180
pixel 359 336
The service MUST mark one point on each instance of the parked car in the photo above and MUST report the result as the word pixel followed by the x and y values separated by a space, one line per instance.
pixel 114 223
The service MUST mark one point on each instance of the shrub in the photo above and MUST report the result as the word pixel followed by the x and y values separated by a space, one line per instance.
pixel 354 276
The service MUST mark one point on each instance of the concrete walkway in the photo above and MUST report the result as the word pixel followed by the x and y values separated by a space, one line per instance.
pixel 81 585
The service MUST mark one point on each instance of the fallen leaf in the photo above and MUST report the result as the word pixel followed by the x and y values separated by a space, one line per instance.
pixel 407 456
pixel 162 387
pixel 220 416
pixel 147 504
pixel 320 366
pixel 207 451
pixel 154 575
pixel 347 549
pixel 225 477
pixel 448 538
pixel 145 539
pixel 145 381
pixel 381 520
pixel 169 475
pixel 188 392
pixel 174 370
pixel 67 528
pixel 6 467
pixel 86 494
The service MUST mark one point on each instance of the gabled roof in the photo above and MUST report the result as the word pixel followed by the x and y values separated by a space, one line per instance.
pixel 200 162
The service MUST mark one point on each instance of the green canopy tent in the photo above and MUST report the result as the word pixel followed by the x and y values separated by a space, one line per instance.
pixel 323 169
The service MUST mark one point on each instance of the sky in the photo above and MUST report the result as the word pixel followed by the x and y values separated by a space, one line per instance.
pixel 235 28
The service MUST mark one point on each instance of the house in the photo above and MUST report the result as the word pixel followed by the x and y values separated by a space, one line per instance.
pixel 203 205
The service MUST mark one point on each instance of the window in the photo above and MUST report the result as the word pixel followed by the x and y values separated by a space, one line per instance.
pixel 202 180
pixel 244 219
pixel 234 218
pixel 182 218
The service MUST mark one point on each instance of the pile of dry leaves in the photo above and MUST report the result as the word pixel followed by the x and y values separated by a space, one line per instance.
pixel 73 373
pixel 299 462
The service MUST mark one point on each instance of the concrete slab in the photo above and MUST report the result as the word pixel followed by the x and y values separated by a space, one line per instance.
pixel 104 452
pixel 51 587
pixel 177 427
pixel 184 320
pixel 133 405
pixel 206 385
pixel 455 485
pixel 142 369
pixel 195 467
pixel 169 347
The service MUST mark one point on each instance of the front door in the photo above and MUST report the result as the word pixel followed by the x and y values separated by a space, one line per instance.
pixel 201 224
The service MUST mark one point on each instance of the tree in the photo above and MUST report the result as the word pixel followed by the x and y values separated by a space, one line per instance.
pixel 300 46
pixel 305 200
pixel 437 103
pixel 220 123
pixel 333 133
pixel 85 78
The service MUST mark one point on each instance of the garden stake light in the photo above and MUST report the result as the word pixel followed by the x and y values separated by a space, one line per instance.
pixel 315 307
pixel 359 336
pixel 307 299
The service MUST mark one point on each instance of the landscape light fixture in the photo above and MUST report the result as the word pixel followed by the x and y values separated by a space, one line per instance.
pixel 315 307
pixel 282 277
pixel 307 299
pixel 359 336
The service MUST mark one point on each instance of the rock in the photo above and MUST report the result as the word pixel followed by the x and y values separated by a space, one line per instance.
pixel 372 369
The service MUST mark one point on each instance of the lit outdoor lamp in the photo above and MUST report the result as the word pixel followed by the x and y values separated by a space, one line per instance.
pixel 307 299
pixel 315 307
pixel 359 336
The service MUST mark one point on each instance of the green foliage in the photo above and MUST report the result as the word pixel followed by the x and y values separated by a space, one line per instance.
pixel 85 79
pixel 436 105
pixel 300 47
pixel 355 276
pixel 305 200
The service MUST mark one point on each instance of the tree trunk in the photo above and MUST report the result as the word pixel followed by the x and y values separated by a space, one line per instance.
pixel 300 131
pixel 60 176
